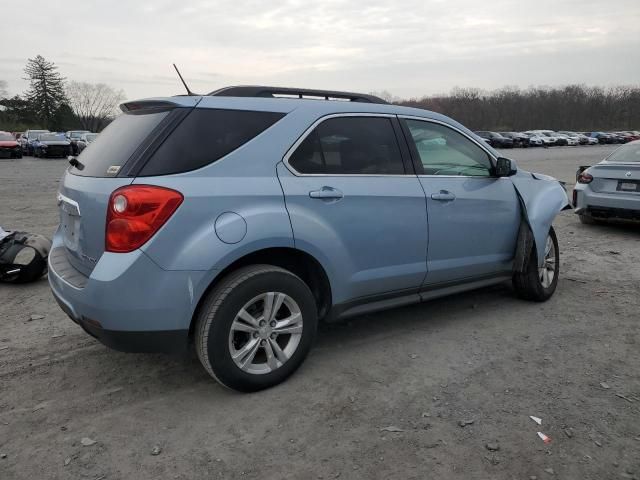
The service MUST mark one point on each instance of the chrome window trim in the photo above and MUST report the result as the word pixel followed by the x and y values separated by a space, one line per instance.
pixel 308 131
pixel 492 157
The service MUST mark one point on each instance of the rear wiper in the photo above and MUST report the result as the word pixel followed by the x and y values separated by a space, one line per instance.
pixel 75 162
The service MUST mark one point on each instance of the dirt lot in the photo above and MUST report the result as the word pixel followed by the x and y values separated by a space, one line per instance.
pixel 484 358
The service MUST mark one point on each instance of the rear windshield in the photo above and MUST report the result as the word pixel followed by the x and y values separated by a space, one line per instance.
pixel 115 145
pixel 628 153
pixel 206 135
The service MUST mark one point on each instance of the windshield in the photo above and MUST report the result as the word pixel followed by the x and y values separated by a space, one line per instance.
pixel 6 137
pixel 630 153
pixel 48 137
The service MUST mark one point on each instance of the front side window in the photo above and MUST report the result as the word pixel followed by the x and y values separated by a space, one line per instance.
pixel 444 151
pixel 350 146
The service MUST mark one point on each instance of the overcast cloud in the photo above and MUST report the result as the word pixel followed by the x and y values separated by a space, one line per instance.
pixel 410 48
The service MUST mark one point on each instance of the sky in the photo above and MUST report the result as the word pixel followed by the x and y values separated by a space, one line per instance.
pixel 410 48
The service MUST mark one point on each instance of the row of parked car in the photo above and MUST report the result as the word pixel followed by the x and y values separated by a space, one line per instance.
pixel 43 143
pixel 549 138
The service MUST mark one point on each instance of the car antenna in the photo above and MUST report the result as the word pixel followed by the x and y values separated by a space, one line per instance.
pixel 189 92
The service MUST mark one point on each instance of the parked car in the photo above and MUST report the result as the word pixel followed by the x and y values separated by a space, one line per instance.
pixel 580 139
pixel 562 139
pixel 51 145
pixel 27 139
pixel 611 188
pixel 535 140
pixel 495 139
pixel 85 140
pixel 519 139
pixel 9 147
pixel 73 136
pixel 251 218
pixel 547 139
pixel 603 137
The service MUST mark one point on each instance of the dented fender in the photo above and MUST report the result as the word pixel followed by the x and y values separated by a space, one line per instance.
pixel 542 198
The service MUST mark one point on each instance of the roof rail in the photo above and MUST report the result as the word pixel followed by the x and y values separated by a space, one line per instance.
pixel 275 92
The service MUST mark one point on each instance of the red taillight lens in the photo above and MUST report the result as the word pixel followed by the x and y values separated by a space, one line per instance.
pixel 135 214
pixel 585 178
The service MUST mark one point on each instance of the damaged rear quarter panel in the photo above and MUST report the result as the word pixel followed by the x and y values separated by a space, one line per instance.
pixel 543 198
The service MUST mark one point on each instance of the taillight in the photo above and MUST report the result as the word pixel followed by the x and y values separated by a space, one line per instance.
pixel 136 213
pixel 585 178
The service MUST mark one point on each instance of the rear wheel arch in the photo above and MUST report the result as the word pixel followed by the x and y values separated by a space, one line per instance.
pixel 298 262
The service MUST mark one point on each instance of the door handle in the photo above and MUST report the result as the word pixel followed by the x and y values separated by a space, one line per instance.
pixel 443 196
pixel 326 193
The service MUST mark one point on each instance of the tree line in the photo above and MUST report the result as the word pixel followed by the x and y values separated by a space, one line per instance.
pixel 572 107
pixel 51 102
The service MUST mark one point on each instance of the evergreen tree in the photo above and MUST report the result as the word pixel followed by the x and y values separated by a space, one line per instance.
pixel 46 89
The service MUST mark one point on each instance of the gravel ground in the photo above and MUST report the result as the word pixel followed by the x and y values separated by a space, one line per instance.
pixel 383 396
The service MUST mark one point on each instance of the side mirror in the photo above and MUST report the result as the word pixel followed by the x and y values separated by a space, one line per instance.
pixel 505 167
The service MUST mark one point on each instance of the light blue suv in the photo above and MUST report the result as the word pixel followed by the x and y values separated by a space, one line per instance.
pixel 239 219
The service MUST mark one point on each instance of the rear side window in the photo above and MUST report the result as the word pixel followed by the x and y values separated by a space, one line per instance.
pixel 115 145
pixel 350 146
pixel 206 135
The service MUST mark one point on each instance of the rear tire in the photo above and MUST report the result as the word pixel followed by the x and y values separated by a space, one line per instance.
pixel 235 341
pixel 539 284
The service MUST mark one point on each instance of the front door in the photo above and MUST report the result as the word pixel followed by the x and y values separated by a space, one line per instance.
pixel 356 206
pixel 474 216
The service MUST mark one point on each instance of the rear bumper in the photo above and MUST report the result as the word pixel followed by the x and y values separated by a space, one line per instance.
pixel 161 341
pixel 607 205
pixel 128 302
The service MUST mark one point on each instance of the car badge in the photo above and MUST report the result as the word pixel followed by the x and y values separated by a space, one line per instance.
pixel 113 170
pixel 628 174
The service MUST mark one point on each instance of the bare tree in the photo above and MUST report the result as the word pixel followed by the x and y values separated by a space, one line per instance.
pixel 94 103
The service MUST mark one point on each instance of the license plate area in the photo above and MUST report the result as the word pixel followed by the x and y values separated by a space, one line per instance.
pixel 628 186
pixel 69 222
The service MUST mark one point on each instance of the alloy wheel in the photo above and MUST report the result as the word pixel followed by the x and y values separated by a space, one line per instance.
pixel 547 271
pixel 265 333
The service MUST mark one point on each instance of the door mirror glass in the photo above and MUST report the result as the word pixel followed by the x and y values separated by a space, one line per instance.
pixel 504 167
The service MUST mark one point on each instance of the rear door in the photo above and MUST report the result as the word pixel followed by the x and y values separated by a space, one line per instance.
pixel 356 205
pixel 473 216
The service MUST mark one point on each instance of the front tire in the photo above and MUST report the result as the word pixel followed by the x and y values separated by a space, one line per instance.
pixel 539 283
pixel 256 327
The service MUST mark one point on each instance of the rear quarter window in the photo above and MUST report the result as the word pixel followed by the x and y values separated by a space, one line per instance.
pixel 205 136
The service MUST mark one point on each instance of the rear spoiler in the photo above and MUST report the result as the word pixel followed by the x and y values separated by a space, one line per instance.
pixel 147 106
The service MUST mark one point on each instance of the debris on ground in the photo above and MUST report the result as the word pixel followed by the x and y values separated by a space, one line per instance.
pixel 624 398
pixel 156 450
pixel 536 419
pixel 3 455
pixel 67 461
pixel 392 429
pixel 614 252
pixel 493 446
pixel 413 356
pixel 36 317
pixel 57 335
pixel 605 385
pixel 568 432
pixel 599 444
pixel 544 438
pixel 87 442
pixel 464 423
pixel 550 471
